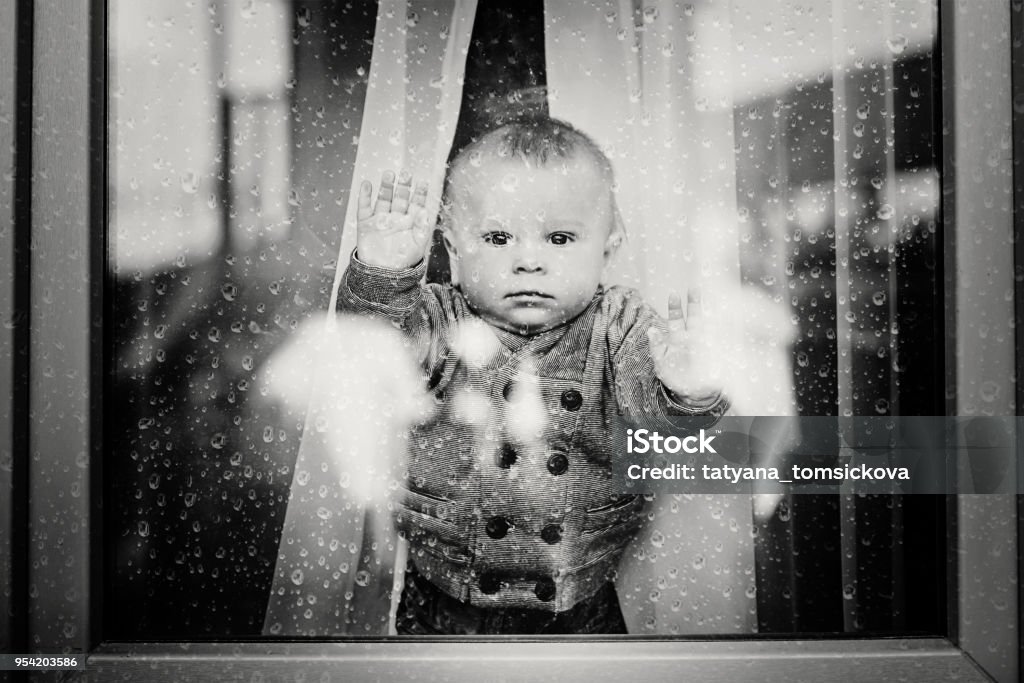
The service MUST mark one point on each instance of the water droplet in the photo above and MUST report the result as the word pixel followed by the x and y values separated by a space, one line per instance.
pixel 218 440
pixel 881 406
pixel 298 577
pixel 657 539
pixel 268 434
pixel 863 111
pixel 154 481
pixel 897 44
pixel 228 291
pixel 411 19
pixel 885 212
pixel 213 335
pixel 143 528
pixel 878 298
pixel 699 562
pixel 849 591
pixel 303 17
pixel 989 391
pixel 190 182
pixel 323 513
pixel 362 578
pixel 510 182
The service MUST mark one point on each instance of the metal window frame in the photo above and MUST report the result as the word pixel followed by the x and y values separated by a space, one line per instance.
pixel 58 453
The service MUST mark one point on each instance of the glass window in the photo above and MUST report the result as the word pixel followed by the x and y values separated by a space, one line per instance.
pixel 785 157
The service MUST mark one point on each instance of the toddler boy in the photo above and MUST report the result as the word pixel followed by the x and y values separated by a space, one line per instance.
pixel 512 518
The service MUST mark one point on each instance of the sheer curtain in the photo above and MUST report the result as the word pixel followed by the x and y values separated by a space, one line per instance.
pixel 657 84
pixel 339 557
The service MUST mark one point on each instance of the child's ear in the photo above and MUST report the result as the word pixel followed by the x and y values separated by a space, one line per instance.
pixel 617 234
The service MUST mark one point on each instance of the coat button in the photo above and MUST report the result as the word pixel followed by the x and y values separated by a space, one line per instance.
pixel 507 456
pixel 490 584
pixel 558 463
pixel 507 391
pixel 572 400
pixel 497 527
pixel 551 534
pixel 545 589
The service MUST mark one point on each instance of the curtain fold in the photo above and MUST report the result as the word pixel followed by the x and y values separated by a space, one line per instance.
pixel 336 570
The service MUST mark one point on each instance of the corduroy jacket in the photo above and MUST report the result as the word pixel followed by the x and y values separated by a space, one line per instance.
pixel 502 509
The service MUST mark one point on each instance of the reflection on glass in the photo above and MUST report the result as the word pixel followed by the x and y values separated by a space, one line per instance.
pixel 781 156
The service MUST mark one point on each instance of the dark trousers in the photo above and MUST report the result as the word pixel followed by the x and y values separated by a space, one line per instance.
pixel 427 610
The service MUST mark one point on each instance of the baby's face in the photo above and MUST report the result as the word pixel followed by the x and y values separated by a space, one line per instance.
pixel 530 244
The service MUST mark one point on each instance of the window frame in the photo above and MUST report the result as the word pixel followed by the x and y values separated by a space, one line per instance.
pixel 58 461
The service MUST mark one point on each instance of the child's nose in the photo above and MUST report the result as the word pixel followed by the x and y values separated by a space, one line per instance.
pixel 528 260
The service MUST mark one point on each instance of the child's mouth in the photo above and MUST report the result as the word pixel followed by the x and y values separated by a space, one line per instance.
pixel 528 295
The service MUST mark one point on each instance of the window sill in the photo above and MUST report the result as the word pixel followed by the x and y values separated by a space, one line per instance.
pixel 924 659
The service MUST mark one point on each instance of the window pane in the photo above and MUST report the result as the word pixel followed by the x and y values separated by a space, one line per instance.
pixel 782 156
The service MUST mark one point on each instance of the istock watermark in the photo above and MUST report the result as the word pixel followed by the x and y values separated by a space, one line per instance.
pixel 647 441
pixel 821 455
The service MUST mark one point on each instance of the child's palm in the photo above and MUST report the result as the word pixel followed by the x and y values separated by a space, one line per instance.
pixel 685 360
pixel 393 232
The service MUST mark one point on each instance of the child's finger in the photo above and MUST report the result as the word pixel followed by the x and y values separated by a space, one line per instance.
pixel 400 204
pixel 365 191
pixel 386 193
pixel 675 306
pixel 694 310
pixel 419 197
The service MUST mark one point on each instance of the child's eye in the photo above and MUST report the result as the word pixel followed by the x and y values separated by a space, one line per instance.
pixel 498 239
pixel 561 238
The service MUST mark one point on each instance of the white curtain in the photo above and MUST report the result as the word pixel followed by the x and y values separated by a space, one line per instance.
pixel 339 558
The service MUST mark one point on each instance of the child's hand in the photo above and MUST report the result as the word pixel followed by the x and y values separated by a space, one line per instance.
pixel 393 232
pixel 685 360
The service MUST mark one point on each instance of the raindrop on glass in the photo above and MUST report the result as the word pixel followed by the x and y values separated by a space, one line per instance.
pixel 897 44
